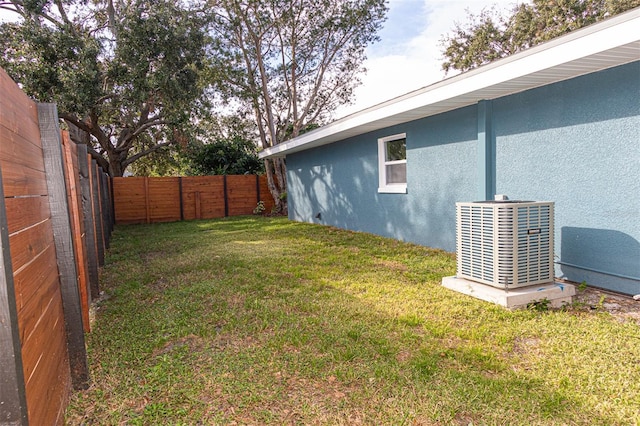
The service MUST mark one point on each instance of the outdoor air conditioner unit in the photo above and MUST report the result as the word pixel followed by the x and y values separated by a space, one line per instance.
pixel 505 244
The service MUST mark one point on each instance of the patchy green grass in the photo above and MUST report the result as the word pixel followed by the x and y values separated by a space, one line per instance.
pixel 265 321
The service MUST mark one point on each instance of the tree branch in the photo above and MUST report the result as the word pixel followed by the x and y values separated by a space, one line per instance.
pixel 73 119
pixel 63 14
pixel 146 152
pixel 102 162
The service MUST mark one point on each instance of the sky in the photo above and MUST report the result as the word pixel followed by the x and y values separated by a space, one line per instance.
pixel 409 57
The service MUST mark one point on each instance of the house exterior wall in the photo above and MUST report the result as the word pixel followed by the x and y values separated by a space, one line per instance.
pixel 576 143
pixel 340 181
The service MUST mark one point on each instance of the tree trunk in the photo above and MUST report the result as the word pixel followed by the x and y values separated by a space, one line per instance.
pixel 281 178
pixel 277 187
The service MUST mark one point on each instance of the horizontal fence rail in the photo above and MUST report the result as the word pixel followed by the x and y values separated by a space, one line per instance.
pixel 169 199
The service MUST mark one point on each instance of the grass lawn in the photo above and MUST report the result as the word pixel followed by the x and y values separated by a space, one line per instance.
pixel 256 320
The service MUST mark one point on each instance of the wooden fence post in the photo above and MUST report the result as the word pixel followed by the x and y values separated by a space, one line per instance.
pixel 106 208
pixel 146 200
pixel 226 197
pixel 181 199
pixel 257 189
pixel 13 399
pixel 69 152
pixel 71 305
pixel 89 226
pixel 97 217
pixel 112 211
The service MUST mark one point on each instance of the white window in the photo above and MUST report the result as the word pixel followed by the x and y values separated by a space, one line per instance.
pixel 392 163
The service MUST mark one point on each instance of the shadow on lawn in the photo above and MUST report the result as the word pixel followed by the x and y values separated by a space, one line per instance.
pixel 210 330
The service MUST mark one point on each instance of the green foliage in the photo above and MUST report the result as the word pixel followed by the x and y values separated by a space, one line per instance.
pixel 294 62
pixel 542 305
pixel 130 77
pixel 163 162
pixel 582 286
pixel 490 35
pixel 52 65
pixel 260 208
pixel 231 156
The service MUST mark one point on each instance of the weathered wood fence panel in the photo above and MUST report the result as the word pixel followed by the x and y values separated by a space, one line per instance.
pixel 151 200
pixel 44 288
pixel 89 236
pixel 95 183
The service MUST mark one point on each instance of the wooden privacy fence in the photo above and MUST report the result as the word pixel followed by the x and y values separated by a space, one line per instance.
pixel 55 222
pixel 168 199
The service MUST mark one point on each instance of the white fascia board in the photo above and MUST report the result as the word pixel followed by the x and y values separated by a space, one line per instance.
pixel 486 82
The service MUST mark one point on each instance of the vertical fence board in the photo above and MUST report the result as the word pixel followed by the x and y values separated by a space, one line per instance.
pixel 112 213
pixel 147 208
pixel 70 154
pixel 95 198
pixel 181 201
pixel 106 207
pixel 52 149
pixel 87 217
pixel 226 195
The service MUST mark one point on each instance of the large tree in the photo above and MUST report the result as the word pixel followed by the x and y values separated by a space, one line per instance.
pixel 492 35
pixel 292 63
pixel 125 72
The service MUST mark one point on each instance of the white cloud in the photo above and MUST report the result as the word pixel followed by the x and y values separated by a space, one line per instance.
pixel 408 57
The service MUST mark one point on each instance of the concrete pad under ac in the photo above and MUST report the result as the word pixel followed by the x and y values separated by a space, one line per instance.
pixel 558 294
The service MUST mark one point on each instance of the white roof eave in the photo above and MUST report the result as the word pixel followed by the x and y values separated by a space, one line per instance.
pixel 610 43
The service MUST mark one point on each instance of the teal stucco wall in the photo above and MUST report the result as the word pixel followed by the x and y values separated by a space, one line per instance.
pixel 340 181
pixel 576 143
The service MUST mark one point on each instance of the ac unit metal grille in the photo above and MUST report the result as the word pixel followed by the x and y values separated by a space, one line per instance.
pixel 505 244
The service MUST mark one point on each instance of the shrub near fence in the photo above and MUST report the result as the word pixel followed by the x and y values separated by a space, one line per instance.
pixel 49 253
pixel 168 199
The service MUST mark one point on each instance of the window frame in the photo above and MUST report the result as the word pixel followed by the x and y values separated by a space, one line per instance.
pixel 383 185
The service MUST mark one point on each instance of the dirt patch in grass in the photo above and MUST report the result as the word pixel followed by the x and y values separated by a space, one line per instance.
pixel 392 264
pixel 623 308
pixel 193 343
pixel 524 345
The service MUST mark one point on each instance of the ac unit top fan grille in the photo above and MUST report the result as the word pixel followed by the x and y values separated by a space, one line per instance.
pixel 505 244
